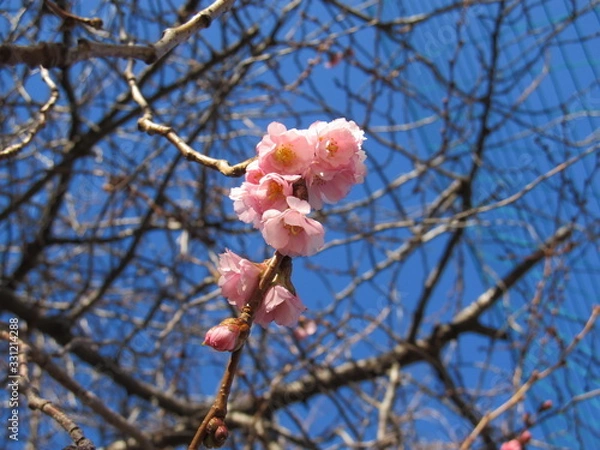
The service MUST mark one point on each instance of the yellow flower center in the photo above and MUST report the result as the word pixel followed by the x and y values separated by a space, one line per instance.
pixel 332 148
pixel 293 229
pixel 274 191
pixel 284 155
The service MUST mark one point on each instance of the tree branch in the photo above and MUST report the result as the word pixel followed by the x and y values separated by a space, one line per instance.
pixel 58 55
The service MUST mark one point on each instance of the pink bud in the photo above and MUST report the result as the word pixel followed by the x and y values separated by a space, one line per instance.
pixel 305 328
pixel 525 437
pixel 228 336
pixel 513 444
pixel 546 405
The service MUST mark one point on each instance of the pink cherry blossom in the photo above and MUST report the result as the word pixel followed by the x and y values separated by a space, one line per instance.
pixel 254 173
pixel 338 164
pixel 286 152
pixel 338 142
pixel 228 336
pixel 291 232
pixel 245 202
pixel 239 278
pixel 330 187
pixel 279 306
pixel 250 201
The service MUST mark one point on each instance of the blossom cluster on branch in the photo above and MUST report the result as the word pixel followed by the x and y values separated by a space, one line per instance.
pixel 296 171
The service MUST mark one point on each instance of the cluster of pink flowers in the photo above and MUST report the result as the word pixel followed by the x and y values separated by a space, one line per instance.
pixel 296 171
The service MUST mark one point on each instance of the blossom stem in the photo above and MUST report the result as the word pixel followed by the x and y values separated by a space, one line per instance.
pixel 266 279
pixel 219 406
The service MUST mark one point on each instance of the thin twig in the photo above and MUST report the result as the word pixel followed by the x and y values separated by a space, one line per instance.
pixel 534 378
pixel 13 150
pixel 70 19
pixel 47 407
pixel 49 54
pixel 88 398
pixel 146 124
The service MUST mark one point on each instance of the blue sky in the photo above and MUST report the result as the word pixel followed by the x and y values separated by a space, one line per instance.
pixel 518 155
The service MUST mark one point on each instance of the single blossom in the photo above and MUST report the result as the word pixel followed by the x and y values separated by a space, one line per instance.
pixel 338 164
pixel 338 142
pixel 253 172
pixel 330 187
pixel 279 306
pixel 239 278
pixel 228 336
pixel 250 201
pixel 286 152
pixel 291 232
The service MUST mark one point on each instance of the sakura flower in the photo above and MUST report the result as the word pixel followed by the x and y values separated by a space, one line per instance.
pixel 253 172
pixel 239 278
pixel 286 152
pixel 338 142
pixel 245 203
pixel 279 306
pixel 228 336
pixel 250 201
pixel 330 187
pixel 338 164
pixel 291 232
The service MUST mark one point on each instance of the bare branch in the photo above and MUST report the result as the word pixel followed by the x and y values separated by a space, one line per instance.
pixel 146 124
pixel 535 377
pixel 14 149
pixel 58 55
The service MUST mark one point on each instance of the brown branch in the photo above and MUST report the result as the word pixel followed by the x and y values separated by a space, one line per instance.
pixel 172 37
pixel 59 330
pixel 146 124
pixel 70 19
pixel 58 55
pixel 36 402
pixel 87 397
pixel 471 313
pixel 49 54
pixel 406 353
pixel 534 378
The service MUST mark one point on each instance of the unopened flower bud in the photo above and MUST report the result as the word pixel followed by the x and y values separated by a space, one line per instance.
pixel 525 437
pixel 216 433
pixel 546 405
pixel 513 444
pixel 305 328
pixel 228 336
